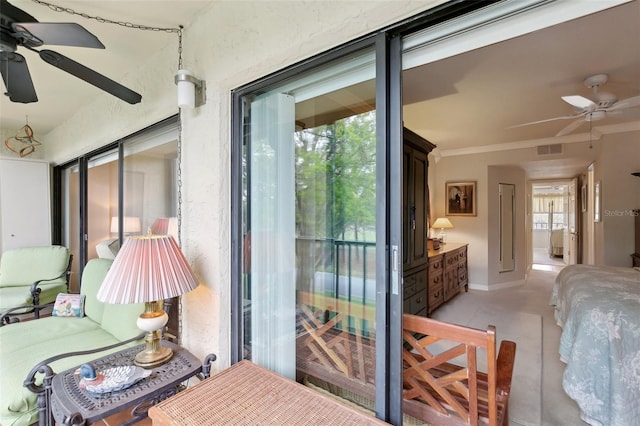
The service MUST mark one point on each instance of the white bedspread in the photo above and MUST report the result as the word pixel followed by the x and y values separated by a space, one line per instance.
pixel 599 310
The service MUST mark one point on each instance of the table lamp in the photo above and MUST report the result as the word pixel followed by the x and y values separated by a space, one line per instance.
pixel 442 223
pixel 131 225
pixel 166 226
pixel 148 268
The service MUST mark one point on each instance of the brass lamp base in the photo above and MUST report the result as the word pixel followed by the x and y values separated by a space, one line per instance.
pixel 151 357
pixel 152 320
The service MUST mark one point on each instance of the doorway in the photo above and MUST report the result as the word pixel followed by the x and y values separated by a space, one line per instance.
pixel 553 218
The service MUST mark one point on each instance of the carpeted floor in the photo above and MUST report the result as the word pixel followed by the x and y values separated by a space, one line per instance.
pixel 523 314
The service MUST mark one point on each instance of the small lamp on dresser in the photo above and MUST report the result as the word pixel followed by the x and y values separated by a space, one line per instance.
pixel 442 223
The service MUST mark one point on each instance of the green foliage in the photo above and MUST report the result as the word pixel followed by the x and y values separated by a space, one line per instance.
pixel 336 178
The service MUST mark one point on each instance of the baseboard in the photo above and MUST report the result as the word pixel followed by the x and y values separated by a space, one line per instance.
pixel 498 286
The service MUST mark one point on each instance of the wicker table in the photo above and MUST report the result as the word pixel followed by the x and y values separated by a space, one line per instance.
pixel 71 405
pixel 246 394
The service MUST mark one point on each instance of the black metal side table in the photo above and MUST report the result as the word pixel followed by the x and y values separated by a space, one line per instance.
pixel 71 405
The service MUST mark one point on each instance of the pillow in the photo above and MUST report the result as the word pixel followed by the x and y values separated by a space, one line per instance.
pixel 120 320
pixel 68 305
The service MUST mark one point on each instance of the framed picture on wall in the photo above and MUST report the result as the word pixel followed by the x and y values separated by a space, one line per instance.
pixel 583 198
pixel 461 198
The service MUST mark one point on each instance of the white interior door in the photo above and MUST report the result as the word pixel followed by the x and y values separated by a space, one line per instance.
pixel 25 210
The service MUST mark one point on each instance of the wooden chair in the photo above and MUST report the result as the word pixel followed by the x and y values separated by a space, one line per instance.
pixel 440 391
pixel 332 345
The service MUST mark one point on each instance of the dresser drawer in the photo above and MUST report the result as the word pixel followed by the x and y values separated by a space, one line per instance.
pixel 436 296
pixel 410 286
pixel 416 303
pixel 435 265
pixel 415 292
pixel 462 255
pixel 435 280
pixel 451 260
pixel 462 275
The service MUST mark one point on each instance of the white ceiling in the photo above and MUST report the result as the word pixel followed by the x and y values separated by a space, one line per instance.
pixel 61 94
pixel 466 102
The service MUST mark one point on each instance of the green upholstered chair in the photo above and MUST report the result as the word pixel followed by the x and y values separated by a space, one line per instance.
pixel 26 344
pixel 31 278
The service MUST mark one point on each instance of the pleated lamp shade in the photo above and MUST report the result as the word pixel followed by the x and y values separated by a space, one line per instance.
pixel 147 268
pixel 165 226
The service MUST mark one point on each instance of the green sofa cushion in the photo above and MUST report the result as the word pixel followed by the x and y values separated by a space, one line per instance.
pixel 46 337
pixel 24 266
pixel 11 297
pixel 92 277
pixel 25 344
pixel 20 268
pixel 120 320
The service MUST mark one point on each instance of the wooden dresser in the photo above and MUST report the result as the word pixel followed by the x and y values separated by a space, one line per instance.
pixel 447 274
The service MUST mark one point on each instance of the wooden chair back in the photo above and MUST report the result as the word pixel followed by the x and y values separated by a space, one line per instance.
pixel 441 380
pixel 333 336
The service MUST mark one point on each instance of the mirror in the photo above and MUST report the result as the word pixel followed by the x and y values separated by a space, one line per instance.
pixel 507 193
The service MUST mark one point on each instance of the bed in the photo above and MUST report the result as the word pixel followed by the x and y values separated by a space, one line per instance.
pixel 598 309
pixel 556 242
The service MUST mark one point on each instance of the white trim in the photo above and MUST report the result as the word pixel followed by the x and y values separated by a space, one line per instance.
pixel 497 286
pixel 345 73
pixel 493 24
pixel 633 126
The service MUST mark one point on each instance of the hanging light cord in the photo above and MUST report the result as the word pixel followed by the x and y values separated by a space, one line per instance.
pixel 126 24
pixel 178 31
pixel 131 25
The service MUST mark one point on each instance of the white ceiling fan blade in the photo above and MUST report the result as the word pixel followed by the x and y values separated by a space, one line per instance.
pixel 625 103
pixel 579 102
pixel 566 117
pixel 571 127
pixel 628 114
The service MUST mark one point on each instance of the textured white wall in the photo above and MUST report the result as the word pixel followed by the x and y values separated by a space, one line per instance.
pixel 620 194
pixel 230 44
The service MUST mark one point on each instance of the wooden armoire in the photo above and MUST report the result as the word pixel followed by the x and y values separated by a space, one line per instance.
pixel 415 222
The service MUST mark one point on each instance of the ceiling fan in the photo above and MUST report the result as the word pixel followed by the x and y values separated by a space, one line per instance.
pixel 587 110
pixel 18 28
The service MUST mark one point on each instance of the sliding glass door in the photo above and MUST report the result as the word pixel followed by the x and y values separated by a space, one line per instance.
pixel 123 189
pixel 312 286
pixel 316 202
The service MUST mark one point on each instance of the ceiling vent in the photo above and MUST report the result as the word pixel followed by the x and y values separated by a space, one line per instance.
pixel 555 148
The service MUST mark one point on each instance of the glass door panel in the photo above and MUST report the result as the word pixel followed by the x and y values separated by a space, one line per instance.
pixel 71 221
pixel 102 205
pixel 150 184
pixel 150 193
pixel 309 209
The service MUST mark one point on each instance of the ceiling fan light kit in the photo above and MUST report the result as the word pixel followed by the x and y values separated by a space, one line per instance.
pixel 595 116
pixel 596 80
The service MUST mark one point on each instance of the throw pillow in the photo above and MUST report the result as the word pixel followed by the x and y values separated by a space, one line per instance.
pixel 69 305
